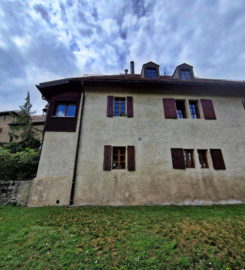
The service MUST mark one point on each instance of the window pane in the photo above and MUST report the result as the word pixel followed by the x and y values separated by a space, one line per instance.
pixel 119 106
pixel 194 109
pixel 151 72
pixel 185 74
pixel 118 158
pixel 189 158
pixel 60 110
pixel 202 155
pixel 71 110
pixel 180 109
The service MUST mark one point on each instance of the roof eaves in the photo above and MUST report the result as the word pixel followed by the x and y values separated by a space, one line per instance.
pixel 169 82
pixel 53 83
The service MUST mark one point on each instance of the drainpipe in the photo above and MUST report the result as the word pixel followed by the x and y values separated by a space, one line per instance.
pixel 77 148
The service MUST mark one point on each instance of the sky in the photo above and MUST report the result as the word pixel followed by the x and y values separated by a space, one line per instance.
pixel 45 40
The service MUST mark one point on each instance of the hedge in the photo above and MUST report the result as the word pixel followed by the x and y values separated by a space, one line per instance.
pixel 18 166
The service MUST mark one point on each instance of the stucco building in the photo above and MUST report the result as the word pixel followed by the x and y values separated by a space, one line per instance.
pixel 142 139
pixel 6 119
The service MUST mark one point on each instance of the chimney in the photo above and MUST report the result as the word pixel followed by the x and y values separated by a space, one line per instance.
pixel 132 67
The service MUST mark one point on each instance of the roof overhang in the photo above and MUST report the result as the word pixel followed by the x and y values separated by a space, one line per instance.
pixel 50 88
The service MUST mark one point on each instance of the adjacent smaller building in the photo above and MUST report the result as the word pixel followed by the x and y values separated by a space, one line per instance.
pixel 7 117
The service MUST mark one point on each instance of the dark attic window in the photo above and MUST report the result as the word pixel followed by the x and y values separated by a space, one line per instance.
pixel 65 110
pixel 151 72
pixel 185 74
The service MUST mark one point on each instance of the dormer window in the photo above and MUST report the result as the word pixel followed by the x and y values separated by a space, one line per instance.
pixel 185 74
pixel 151 72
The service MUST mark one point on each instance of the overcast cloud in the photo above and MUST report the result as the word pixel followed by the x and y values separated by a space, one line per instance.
pixel 42 40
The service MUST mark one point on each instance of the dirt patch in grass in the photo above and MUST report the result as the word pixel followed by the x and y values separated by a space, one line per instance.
pixel 123 237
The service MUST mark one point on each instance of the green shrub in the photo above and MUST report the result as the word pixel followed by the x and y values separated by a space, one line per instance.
pixel 18 166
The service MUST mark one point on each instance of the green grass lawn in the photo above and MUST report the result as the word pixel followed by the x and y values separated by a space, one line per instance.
pixel 152 237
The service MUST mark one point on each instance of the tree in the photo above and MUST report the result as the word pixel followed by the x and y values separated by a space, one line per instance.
pixel 22 129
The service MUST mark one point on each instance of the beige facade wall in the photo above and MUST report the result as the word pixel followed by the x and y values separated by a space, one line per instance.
pixel 54 176
pixel 155 181
pixel 52 185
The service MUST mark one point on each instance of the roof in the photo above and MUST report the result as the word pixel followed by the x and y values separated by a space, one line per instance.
pixel 161 78
pixel 9 112
pixel 136 79
pixel 38 119
pixel 150 63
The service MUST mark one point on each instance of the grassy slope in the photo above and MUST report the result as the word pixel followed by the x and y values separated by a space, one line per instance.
pixel 123 237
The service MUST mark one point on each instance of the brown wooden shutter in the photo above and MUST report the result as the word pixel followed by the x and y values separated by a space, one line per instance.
pixel 169 107
pixel 208 109
pixel 110 101
pixel 217 158
pixel 130 108
pixel 107 157
pixel 131 158
pixel 178 158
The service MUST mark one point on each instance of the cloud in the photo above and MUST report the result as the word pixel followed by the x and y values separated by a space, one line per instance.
pixel 42 40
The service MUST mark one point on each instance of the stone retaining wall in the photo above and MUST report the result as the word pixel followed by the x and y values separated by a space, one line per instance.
pixel 14 192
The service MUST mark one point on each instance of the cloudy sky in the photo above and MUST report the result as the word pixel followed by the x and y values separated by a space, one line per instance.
pixel 42 40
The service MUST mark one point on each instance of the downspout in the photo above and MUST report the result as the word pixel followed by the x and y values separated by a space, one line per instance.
pixel 73 184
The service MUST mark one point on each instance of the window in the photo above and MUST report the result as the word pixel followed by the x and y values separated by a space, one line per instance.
pixel 243 102
pixel 65 110
pixel 119 157
pixel 194 109
pixel 185 74
pixel 189 158
pixel 176 109
pixel 180 109
pixel 120 106
pixel 151 72
pixel 184 158
pixel 202 156
pixel 1 130
pixel 116 157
